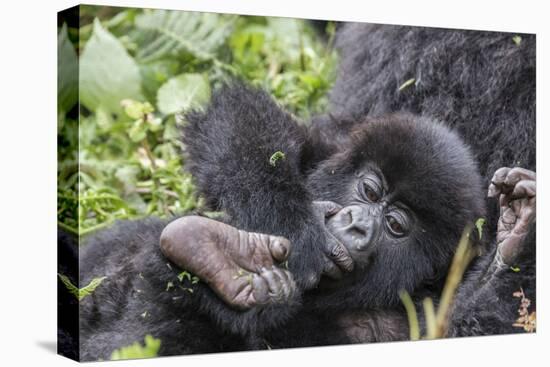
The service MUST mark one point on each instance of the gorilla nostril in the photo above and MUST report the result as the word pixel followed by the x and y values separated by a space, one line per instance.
pixel 349 217
pixel 357 232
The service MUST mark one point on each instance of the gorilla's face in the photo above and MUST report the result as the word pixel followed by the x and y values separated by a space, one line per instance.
pixel 407 187
pixel 372 217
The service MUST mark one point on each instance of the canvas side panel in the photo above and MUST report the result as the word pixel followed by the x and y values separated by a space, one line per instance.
pixel 67 183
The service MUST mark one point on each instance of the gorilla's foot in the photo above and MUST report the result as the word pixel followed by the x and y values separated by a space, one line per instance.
pixel 241 267
pixel 516 190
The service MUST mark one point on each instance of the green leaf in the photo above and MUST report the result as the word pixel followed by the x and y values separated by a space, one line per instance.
pixel 517 40
pixel 479 225
pixel 103 118
pixel 136 110
pixel 277 156
pixel 515 269
pixel 136 350
pixel 70 286
pixel 156 73
pixel 138 131
pixel 167 33
pixel 67 72
pixel 107 73
pixel 182 93
pixel 184 275
pixel 82 292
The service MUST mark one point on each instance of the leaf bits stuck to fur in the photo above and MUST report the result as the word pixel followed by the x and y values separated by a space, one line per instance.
pixel 276 157
pixel 479 225
pixel 407 84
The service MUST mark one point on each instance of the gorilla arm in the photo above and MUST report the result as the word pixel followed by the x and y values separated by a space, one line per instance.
pixel 239 266
pixel 242 268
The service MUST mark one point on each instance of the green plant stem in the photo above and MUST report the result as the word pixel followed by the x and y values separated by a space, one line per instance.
pixel 411 315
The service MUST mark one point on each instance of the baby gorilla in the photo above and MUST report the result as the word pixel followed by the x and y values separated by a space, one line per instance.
pixel 383 207
pixel 389 207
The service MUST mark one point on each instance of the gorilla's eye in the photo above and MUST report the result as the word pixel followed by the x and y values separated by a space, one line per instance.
pixel 395 227
pixel 371 191
pixel 372 196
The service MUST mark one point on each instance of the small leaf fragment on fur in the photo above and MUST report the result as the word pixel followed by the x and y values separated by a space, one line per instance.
pixel 479 225
pixel 517 40
pixel 406 84
pixel 515 269
pixel 184 275
pixel 277 156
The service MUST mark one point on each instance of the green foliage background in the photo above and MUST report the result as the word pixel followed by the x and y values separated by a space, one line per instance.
pixel 119 149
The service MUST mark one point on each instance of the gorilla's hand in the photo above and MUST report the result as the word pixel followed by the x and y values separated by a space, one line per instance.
pixel 516 190
pixel 337 257
pixel 240 267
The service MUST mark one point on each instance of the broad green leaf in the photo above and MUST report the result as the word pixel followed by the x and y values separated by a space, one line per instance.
pixel 107 73
pixel 138 131
pixel 183 92
pixel 136 350
pixel 136 110
pixel 103 117
pixel 67 72
pixel 156 73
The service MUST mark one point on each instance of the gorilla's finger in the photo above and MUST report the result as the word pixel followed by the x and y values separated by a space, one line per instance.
pixel 285 286
pixel 497 181
pixel 339 254
pixel 518 174
pixel 524 189
pixel 260 290
pixel 273 283
pixel 332 270
pixel 279 247
pixel 493 190
pixel 325 209
pixel 289 281
pixel 500 175
pixel 508 216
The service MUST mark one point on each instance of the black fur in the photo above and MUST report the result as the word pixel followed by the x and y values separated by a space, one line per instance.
pixel 481 84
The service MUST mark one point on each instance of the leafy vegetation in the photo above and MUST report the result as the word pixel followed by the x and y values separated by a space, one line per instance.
pixel 119 150
pixel 136 350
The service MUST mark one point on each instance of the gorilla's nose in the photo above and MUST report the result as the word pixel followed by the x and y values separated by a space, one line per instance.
pixel 357 227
